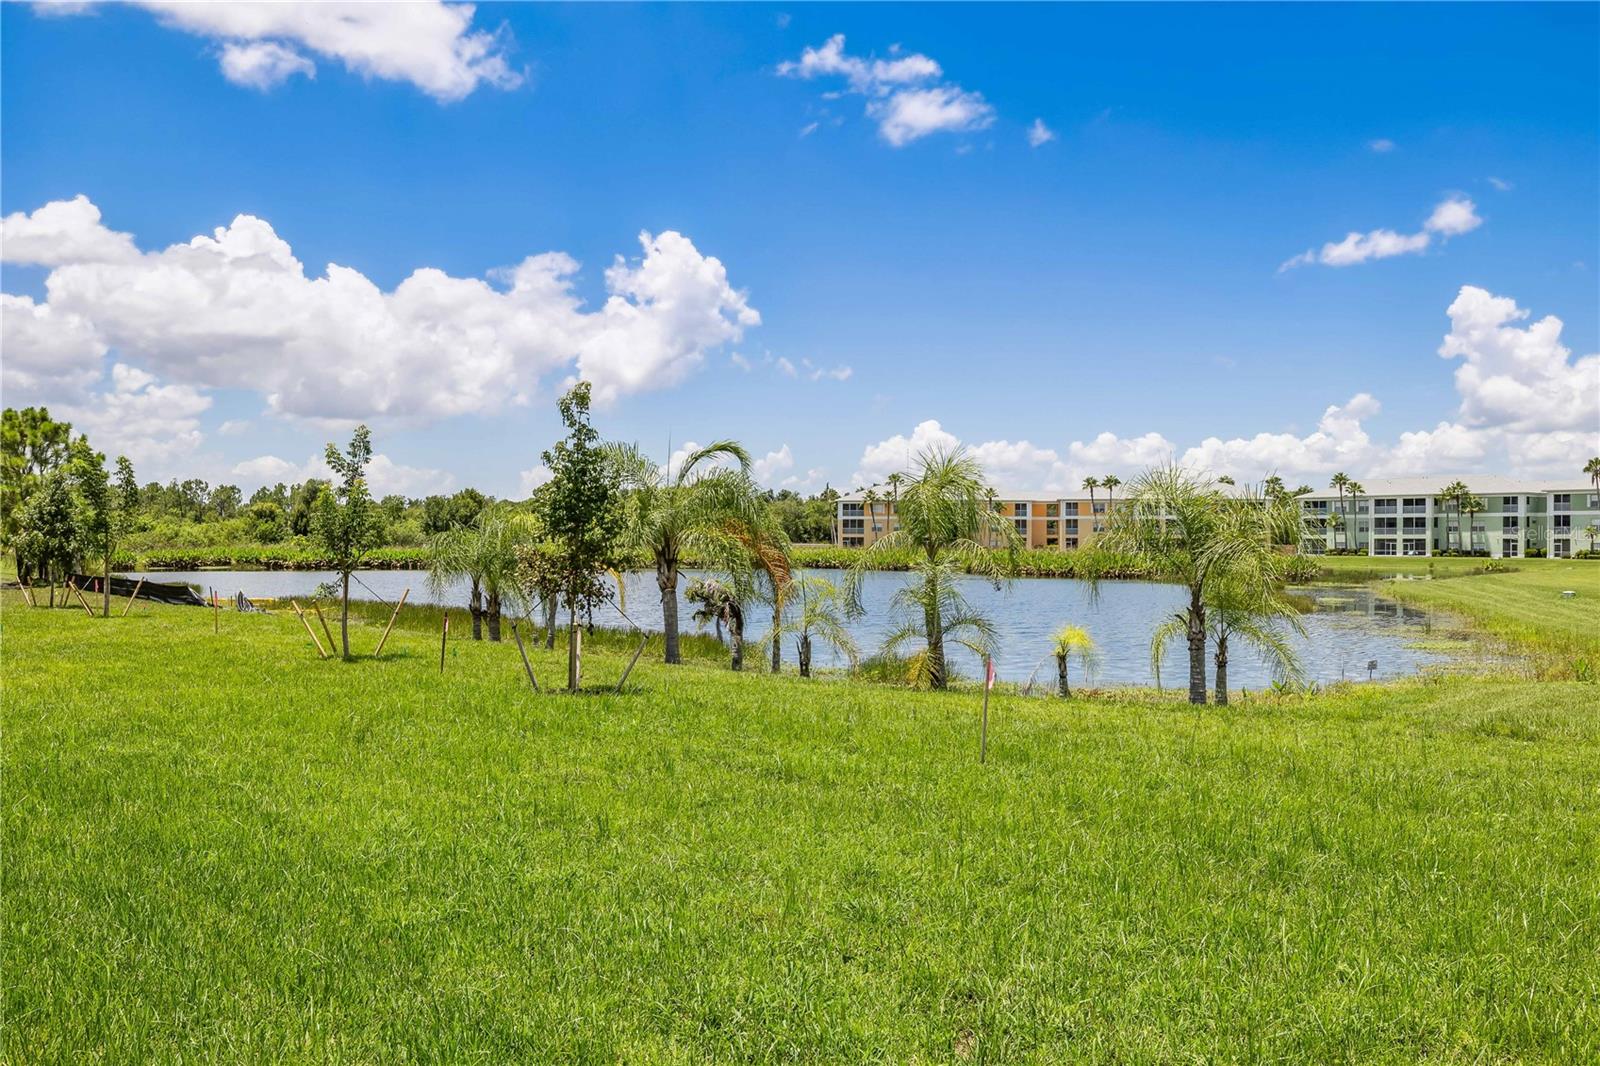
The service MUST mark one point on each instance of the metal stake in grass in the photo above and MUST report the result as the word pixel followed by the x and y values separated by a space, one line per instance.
pixel 312 633
pixel 636 653
pixel 526 665
pixel 444 636
pixel 132 597
pixel 390 626
pixel 983 729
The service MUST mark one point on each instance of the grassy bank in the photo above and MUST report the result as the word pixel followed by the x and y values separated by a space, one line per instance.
pixel 220 848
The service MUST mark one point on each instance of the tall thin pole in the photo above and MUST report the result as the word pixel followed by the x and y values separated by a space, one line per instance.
pixel 526 665
pixel 132 597
pixel 444 635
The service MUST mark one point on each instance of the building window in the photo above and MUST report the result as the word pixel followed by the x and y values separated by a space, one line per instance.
pixel 1561 501
pixel 855 525
pixel 1508 503
pixel 1562 522
pixel 1415 546
pixel 1510 547
pixel 852 542
pixel 1072 526
pixel 1072 542
pixel 1021 510
pixel 1383 547
pixel 850 509
pixel 1510 522
pixel 1563 548
pixel 1052 510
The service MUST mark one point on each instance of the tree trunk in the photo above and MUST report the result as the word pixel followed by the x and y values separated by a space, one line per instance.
pixel 805 655
pixel 1196 625
pixel 550 621
pixel 935 636
pixel 736 639
pixel 494 615
pixel 105 586
pixel 777 644
pixel 574 650
pixel 667 582
pixel 475 608
pixel 1222 670
pixel 1061 677
pixel 344 616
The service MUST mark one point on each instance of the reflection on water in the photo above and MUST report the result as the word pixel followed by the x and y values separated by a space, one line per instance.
pixel 1345 628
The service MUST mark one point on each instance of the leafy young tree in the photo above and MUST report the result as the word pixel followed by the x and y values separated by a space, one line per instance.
pixel 582 509
pixel 265 522
pixel 699 508
pixel 304 499
pixel 1071 642
pixel 347 524
pixel 944 511
pixel 32 444
pixel 1186 531
pixel 107 509
pixel 48 535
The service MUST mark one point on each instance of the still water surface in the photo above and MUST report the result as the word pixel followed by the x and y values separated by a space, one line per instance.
pixel 1346 628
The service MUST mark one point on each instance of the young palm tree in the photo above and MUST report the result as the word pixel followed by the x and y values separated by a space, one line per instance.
pixel 485 553
pixel 1592 468
pixel 1070 642
pixel 944 511
pixel 815 614
pixel 1592 531
pixel 1186 531
pixel 1339 481
pixel 719 604
pixel 1474 506
pixel 692 509
pixel 1255 616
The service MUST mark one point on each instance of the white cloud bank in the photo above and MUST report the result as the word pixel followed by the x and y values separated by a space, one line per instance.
pixel 427 43
pixel 904 94
pixel 1525 407
pixel 1450 218
pixel 236 309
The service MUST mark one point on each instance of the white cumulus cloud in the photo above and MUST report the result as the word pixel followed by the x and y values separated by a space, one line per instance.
pixel 905 95
pixel 1450 218
pixel 236 309
pixel 61 232
pixel 1039 134
pixel 428 43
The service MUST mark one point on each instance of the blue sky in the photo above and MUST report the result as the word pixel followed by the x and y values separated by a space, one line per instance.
pixel 1109 297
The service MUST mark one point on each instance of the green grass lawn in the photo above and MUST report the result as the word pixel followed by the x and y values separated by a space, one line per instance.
pixel 1524 607
pixel 218 848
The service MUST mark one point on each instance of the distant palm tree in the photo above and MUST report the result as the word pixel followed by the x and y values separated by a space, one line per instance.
pixel 816 613
pixel 1272 486
pixel 1225 479
pixel 895 480
pixel 1092 483
pixel 1592 468
pixel 1592 531
pixel 945 509
pixel 1071 642
pixel 1339 481
pixel 1451 495
pixel 1110 483
pixel 870 498
pixel 1474 506
pixel 700 508
pixel 1356 490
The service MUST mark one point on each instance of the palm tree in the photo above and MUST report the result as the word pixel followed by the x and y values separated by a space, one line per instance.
pixel 1474 506
pixel 1592 468
pixel 1110 483
pixel 819 616
pixel 1187 531
pixel 1452 494
pixel 870 498
pixel 1592 531
pixel 1092 483
pixel 700 508
pixel 1256 616
pixel 1339 481
pixel 1070 641
pixel 1225 479
pixel 1272 487
pixel 1356 490
pixel 895 480
pixel 487 554
pixel 719 604
pixel 945 509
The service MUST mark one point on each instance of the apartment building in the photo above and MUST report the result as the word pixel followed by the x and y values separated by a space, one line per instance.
pixel 1391 516
pixel 1062 523
pixel 1408 516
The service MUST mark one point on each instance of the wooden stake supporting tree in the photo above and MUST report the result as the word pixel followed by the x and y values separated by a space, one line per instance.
pixel 526 665
pixel 444 637
pixel 312 633
pixel 79 593
pixel 636 653
pixel 390 626
pixel 325 630
pixel 132 597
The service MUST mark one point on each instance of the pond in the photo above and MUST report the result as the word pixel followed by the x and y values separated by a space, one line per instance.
pixel 1345 627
